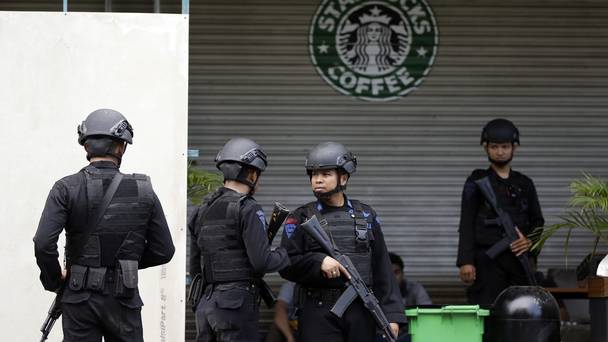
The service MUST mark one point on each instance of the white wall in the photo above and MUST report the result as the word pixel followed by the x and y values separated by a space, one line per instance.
pixel 55 68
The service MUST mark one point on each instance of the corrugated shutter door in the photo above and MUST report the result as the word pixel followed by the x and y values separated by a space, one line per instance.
pixel 541 64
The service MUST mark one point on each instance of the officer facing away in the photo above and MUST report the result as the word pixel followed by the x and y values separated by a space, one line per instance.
pixel 355 229
pixel 230 248
pixel 516 195
pixel 108 236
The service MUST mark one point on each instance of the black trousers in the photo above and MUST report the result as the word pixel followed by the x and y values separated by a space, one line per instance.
pixel 494 276
pixel 228 312
pixel 317 324
pixel 101 315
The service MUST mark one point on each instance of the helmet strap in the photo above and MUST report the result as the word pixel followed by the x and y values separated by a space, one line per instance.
pixel 339 187
pixel 243 177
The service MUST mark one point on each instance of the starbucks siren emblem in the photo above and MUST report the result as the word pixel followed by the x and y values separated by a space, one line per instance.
pixel 373 50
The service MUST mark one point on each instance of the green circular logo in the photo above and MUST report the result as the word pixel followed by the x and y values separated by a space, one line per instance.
pixel 373 50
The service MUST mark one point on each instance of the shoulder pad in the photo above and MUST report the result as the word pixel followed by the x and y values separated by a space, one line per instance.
pixel 140 176
pixel 363 205
pixel 366 210
pixel 210 197
pixel 479 173
pixel 523 179
pixel 248 200
pixel 308 205
pixel 299 211
pixel 518 174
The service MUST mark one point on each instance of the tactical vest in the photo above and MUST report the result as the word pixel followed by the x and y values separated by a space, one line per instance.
pixel 121 232
pixel 219 237
pixel 512 199
pixel 351 232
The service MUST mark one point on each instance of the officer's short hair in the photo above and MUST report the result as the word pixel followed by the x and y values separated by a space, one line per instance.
pixel 396 260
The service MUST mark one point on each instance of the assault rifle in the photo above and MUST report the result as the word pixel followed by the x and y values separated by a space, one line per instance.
pixel 279 214
pixel 53 315
pixel 503 219
pixel 355 286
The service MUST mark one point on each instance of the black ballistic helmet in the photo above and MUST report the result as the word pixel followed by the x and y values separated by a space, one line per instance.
pixel 330 155
pixel 499 131
pixel 237 156
pixel 105 123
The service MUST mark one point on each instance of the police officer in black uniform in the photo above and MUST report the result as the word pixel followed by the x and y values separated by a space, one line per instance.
pixel 517 196
pixel 101 297
pixel 355 229
pixel 230 248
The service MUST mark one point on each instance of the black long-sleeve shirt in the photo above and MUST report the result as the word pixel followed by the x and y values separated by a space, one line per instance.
pixel 253 228
pixel 67 208
pixel 305 266
pixel 516 195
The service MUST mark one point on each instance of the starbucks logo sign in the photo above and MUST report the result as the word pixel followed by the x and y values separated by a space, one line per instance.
pixel 373 50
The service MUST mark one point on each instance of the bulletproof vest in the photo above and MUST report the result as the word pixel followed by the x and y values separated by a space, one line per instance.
pixel 219 237
pixel 121 232
pixel 351 233
pixel 512 199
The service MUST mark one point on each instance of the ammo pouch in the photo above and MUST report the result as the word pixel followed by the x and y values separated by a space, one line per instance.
pixel 125 281
pixel 87 278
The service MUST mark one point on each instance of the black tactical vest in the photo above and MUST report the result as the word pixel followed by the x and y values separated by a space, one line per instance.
pixel 512 199
pixel 350 231
pixel 219 237
pixel 121 232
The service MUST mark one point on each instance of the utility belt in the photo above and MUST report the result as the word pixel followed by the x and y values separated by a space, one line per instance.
pixel 248 285
pixel 320 296
pixel 121 279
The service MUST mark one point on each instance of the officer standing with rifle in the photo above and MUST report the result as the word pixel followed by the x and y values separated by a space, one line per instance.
pixel 499 208
pixel 114 226
pixel 230 250
pixel 347 256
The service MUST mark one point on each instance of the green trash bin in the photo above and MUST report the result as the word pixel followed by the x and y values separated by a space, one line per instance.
pixel 453 323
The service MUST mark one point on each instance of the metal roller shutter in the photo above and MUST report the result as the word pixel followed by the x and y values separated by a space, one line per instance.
pixel 539 63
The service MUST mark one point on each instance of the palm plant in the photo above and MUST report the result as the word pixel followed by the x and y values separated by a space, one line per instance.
pixel 588 211
pixel 201 182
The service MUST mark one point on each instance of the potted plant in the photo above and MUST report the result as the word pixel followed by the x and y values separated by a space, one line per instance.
pixel 201 182
pixel 588 211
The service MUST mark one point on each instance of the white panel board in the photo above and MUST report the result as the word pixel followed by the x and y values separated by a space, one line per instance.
pixel 55 69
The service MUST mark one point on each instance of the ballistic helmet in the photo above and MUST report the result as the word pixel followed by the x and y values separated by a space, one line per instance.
pixel 105 123
pixel 239 155
pixel 500 131
pixel 330 155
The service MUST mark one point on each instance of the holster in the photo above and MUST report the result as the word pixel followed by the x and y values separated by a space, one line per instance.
pixel 125 281
pixel 196 291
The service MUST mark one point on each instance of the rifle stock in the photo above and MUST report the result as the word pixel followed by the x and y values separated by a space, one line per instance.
pixel 279 214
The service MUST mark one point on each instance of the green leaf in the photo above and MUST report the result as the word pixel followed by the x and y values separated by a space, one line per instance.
pixel 588 211
pixel 201 182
